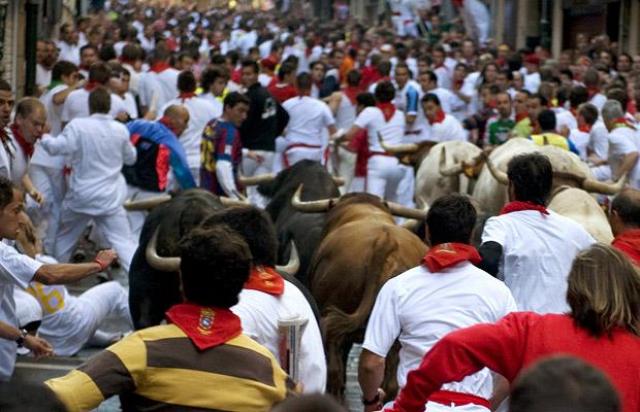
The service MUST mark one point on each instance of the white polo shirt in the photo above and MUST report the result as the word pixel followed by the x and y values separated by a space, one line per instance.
pixel 537 253
pixel 259 313
pixel 15 269
pixel 623 141
pixel 419 308
pixel 308 120
pixel 77 105
pixel 373 121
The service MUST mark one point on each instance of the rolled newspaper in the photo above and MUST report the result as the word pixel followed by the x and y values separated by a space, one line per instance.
pixel 290 333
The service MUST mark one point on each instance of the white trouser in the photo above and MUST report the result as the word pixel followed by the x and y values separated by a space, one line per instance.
pixel 278 164
pixel 114 227
pixel 136 218
pixel 383 177
pixel 407 186
pixel 195 172
pixel 51 183
pixel 295 154
pixel 251 167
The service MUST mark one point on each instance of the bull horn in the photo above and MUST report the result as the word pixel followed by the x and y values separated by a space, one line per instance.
pixel 255 180
pixel 314 206
pixel 497 174
pixel 293 266
pixel 397 148
pixel 163 264
pixel 408 212
pixel 339 181
pixel 146 204
pixel 229 202
pixel 592 185
pixel 411 224
pixel 452 170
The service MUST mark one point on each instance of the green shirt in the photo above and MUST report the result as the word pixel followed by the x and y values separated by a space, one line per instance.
pixel 498 130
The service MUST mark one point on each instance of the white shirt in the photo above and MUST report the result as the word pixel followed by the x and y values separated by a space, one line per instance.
pixel 19 164
pixel 448 129
pixel 54 111
pixel 15 269
pixel 622 141
pixel 43 76
pixel 419 308
pixel 599 139
pixel 98 147
pixel 77 105
pixel 308 119
pixel 259 313
pixel 264 79
pixel 598 100
pixel 532 82
pixel 129 103
pixel 201 111
pixel 373 121
pixel 69 52
pixel 163 85
pixel 346 113
pixel 537 253
pixel 581 140
pixel 564 118
pixel 7 153
pixel 444 77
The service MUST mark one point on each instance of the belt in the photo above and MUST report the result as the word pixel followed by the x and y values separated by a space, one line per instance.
pixel 444 397
pixel 295 146
pixel 371 154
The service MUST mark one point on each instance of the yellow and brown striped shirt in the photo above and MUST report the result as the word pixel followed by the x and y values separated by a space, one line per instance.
pixel 159 368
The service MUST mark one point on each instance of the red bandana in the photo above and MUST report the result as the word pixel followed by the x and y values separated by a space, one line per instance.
pixel 351 93
pixel 91 85
pixel 439 117
pixel 388 110
pixel 186 95
pixel 628 242
pixel 159 67
pixel 265 279
pixel 26 147
pixel 206 327
pixel 518 206
pixel 521 116
pixel 585 128
pixel 446 255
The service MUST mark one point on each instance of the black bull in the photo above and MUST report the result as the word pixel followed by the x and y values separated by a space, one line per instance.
pixel 152 292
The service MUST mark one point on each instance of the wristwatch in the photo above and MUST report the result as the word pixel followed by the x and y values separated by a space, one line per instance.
pixel 20 339
pixel 369 402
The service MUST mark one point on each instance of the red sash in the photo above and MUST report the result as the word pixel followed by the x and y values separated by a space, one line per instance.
pixel 206 327
pixel 265 279
pixel 518 206
pixel 628 242
pixel 446 255
pixel 458 399
pixel 26 147
pixel 91 86
pixel 521 116
pixel 351 93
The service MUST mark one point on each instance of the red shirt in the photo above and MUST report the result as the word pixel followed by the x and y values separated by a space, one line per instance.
pixel 628 242
pixel 515 342
pixel 282 93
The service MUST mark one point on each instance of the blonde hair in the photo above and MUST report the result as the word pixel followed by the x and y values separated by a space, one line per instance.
pixel 604 291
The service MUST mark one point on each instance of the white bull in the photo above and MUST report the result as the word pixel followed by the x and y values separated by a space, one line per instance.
pixel 581 207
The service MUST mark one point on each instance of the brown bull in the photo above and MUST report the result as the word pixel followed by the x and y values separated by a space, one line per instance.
pixel 361 249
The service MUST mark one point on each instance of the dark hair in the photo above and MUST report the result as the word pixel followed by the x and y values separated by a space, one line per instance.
pixel 619 95
pixel 210 75
pixel 542 98
pixel 251 63
pixel 99 73
pixel 28 396
pixel 234 98
pixel 531 175
pixel 451 218
pixel 187 82
pixel 285 69
pixel 62 68
pixel 366 99
pixel 255 227
pixel 578 95
pixel 214 266
pixel 432 76
pixel 107 52
pixel 87 47
pixel 563 383
pixel 304 82
pixel 591 78
pixel 384 68
pixel 131 52
pixel 353 78
pixel 99 100
pixel 430 97
pixel 547 120
pixel 5 86
pixel 627 206
pixel 385 92
pixel 403 65
pixel 589 112
pixel 562 94
pixel 309 403
pixel 217 60
pixel 6 191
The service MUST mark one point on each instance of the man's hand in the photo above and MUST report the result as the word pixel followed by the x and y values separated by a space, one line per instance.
pixel 38 346
pixel 37 196
pixel 105 258
pixel 254 156
pixel 379 404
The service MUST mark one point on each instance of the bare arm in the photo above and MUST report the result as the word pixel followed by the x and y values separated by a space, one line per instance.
pixel 352 132
pixel 62 273
pixel 629 161
pixel 370 376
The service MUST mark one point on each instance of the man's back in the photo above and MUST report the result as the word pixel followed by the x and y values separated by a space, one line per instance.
pixel 160 367
pixel 537 254
pixel 77 106
pixel 308 119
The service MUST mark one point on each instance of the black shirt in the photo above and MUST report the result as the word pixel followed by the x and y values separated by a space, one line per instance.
pixel 265 121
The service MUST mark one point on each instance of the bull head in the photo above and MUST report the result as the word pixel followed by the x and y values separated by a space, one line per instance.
pixel 150 203
pixel 269 177
pixel 317 206
pixel 462 167
pixel 172 264
pixel 497 174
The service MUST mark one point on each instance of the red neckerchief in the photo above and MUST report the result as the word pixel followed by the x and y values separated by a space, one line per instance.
pixel 164 120
pixel 124 60
pixel 439 117
pixel 265 279
pixel 387 109
pixel 351 93
pixel 585 128
pixel 435 67
pixel 458 84
pixel 186 95
pixel 83 67
pixel 628 242
pixel 446 255
pixel 206 327
pixel 622 122
pixel 593 91
pixel 521 116
pixel 518 206
pixel 91 86
pixel 159 67
pixel 27 147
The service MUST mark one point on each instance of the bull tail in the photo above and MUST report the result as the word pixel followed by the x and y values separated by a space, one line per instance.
pixel 340 328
